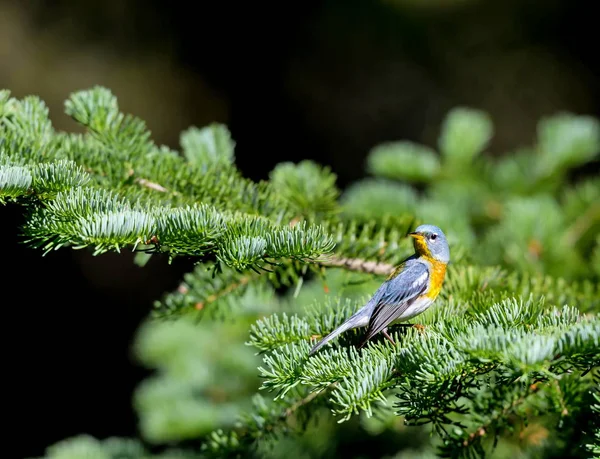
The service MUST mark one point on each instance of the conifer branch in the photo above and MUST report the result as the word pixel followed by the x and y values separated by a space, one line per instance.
pixel 514 328
pixel 498 342
pixel 480 431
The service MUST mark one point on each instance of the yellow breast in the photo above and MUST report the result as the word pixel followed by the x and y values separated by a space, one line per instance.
pixel 438 272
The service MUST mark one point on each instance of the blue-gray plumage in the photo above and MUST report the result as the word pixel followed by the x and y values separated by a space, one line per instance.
pixel 407 292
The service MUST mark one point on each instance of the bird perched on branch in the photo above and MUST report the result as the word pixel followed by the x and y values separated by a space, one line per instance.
pixel 411 288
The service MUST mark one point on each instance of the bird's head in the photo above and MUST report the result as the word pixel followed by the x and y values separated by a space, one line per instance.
pixel 430 242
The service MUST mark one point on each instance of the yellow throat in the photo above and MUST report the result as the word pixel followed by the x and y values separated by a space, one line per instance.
pixel 438 268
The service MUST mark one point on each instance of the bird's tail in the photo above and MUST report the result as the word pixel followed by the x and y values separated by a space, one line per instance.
pixel 359 319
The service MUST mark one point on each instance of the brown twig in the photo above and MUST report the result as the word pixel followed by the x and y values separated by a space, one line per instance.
pixel 581 225
pixel 151 185
pixel 309 398
pixel 147 183
pixel 224 291
pixel 357 264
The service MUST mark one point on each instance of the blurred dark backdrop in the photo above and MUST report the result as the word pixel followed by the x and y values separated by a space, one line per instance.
pixel 326 82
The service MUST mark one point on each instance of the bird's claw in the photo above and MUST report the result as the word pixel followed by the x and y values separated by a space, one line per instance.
pixel 419 327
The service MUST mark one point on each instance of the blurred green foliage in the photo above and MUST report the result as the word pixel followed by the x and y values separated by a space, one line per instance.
pixel 202 379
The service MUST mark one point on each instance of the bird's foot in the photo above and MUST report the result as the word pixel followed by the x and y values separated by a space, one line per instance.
pixel 419 327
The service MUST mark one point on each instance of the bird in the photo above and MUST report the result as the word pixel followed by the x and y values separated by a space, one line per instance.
pixel 408 291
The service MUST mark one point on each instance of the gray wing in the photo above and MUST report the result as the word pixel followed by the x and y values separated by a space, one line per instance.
pixel 397 295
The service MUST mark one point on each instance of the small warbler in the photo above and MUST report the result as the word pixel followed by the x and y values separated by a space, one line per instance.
pixel 409 290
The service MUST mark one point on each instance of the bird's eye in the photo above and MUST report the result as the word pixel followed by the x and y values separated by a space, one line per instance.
pixel 433 237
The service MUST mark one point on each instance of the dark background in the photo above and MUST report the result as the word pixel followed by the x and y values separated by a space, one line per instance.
pixel 322 80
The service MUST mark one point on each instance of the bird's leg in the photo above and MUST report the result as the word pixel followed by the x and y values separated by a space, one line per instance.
pixel 385 333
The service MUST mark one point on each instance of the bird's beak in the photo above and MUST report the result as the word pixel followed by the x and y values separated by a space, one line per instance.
pixel 417 236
